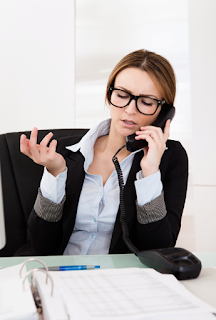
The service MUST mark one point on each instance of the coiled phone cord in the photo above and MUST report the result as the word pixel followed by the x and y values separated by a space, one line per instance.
pixel 125 231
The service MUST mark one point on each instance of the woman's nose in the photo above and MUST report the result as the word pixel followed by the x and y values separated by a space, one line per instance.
pixel 131 108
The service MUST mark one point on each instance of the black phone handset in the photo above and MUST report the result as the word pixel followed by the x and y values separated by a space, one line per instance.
pixel 177 261
pixel 167 112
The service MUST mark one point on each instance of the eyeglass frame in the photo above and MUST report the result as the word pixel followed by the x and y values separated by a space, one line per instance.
pixel 133 97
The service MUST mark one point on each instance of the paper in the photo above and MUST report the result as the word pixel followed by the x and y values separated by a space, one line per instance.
pixel 15 303
pixel 52 305
pixel 11 273
pixel 131 293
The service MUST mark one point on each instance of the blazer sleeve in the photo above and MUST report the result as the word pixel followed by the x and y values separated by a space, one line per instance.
pixel 164 232
pixel 45 223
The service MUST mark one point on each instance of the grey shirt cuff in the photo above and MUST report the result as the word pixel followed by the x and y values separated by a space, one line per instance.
pixel 152 211
pixel 48 210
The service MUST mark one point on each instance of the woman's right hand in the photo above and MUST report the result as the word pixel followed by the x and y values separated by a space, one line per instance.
pixel 41 153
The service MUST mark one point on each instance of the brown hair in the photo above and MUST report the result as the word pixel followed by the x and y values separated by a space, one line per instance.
pixel 158 68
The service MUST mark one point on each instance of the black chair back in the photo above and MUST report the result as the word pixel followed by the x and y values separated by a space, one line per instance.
pixel 20 181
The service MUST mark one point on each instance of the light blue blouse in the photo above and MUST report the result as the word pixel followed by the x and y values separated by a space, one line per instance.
pixel 98 204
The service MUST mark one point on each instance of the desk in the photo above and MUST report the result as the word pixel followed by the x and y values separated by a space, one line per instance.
pixel 208 259
pixel 204 286
pixel 105 261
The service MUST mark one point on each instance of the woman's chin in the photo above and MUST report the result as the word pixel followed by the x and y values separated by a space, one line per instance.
pixel 127 132
pixel 124 131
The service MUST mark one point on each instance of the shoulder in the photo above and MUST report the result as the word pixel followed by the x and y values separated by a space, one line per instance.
pixel 175 149
pixel 175 158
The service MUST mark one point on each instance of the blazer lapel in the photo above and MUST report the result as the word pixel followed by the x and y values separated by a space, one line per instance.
pixel 76 175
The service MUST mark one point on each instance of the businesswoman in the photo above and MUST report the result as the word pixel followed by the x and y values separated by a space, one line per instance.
pixel 77 206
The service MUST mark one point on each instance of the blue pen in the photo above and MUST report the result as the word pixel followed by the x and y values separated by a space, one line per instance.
pixel 68 268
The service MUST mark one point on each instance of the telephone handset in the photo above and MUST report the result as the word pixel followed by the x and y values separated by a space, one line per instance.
pixel 167 112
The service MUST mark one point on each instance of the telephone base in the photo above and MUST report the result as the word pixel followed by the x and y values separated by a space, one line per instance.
pixel 177 261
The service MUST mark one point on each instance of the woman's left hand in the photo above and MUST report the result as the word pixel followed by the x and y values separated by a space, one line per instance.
pixel 156 146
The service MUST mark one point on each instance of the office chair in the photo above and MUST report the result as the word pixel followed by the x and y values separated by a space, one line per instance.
pixel 20 181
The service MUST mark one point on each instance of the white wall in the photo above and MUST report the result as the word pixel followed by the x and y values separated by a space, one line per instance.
pixel 108 30
pixel 36 64
pixel 202 35
pixel 202 43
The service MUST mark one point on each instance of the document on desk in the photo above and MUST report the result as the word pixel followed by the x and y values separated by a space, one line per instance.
pixel 131 293
pixel 16 302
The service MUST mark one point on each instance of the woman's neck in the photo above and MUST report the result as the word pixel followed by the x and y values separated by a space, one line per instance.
pixel 111 143
pixel 104 149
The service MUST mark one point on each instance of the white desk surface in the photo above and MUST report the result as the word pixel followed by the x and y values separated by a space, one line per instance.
pixel 203 287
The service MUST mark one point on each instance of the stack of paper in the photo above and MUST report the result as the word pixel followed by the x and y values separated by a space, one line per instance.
pixel 127 294
pixel 16 302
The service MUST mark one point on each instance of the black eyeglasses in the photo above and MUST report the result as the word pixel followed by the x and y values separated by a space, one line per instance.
pixel 144 104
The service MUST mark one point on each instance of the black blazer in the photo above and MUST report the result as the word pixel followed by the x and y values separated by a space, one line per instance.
pixel 51 238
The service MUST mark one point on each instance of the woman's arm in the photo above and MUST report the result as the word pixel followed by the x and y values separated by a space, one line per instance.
pixel 164 231
pixel 44 224
pixel 47 236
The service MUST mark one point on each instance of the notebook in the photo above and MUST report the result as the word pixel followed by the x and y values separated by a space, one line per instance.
pixel 16 300
pixel 99 294
pixel 117 294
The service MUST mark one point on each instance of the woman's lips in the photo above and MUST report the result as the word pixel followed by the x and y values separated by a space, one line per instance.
pixel 129 123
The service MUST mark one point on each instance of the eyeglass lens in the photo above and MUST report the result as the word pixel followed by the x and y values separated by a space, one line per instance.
pixel 121 98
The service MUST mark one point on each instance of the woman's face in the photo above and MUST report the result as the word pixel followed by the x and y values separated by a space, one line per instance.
pixel 128 120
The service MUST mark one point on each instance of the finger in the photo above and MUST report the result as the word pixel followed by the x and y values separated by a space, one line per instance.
pixel 151 129
pixel 27 143
pixel 44 143
pixel 150 132
pixel 23 144
pixel 157 136
pixel 155 133
pixel 154 142
pixel 167 130
pixel 52 147
pixel 46 139
pixel 33 138
pixel 33 146
pixel 146 137
pixel 145 149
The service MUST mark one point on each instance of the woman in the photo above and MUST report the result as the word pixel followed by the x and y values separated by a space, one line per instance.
pixel 77 207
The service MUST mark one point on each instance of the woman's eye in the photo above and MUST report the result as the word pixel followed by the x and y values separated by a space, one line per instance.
pixel 147 103
pixel 122 96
